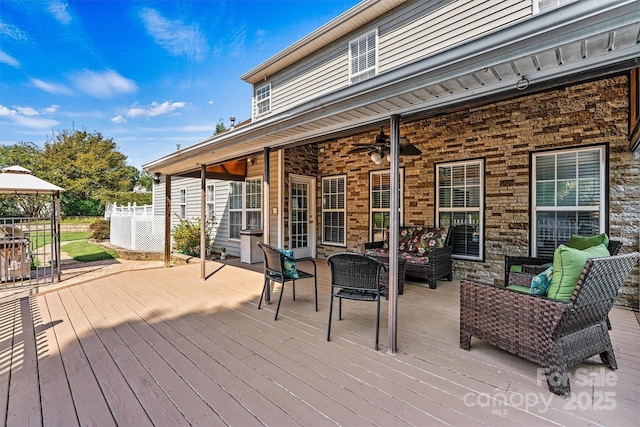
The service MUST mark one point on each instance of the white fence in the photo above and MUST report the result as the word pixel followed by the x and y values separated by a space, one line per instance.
pixel 136 228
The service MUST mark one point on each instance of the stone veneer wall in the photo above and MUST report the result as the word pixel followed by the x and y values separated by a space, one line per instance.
pixel 301 160
pixel 504 134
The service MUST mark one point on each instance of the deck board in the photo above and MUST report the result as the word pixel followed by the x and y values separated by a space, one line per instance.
pixel 161 347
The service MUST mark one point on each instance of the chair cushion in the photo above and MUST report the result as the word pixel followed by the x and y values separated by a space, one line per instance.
pixel 290 271
pixel 584 242
pixel 568 264
pixel 405 239
pixel 540 283
pixel 429 238
pixel 377 252
pixel 414 258
pixel 519 288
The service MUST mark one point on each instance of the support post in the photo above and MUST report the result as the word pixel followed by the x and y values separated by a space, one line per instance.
pixel 394 226
pixel 167 221
pixel 266 184
pixel 203 221
pixel 57 218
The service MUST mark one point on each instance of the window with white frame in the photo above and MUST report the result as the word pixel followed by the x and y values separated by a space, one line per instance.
pixel 544 5
pixel 253 205
pixel 235 209
pixel 568 196
pixel 334 210
pixel 245 206
pixel 363 57
pixel 183 203
pixel 380 203
pixel 211 201
pixel 263 99
pixel 460 206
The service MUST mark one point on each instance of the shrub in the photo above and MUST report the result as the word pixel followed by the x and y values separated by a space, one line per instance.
pixel 186 236
pixel 100 229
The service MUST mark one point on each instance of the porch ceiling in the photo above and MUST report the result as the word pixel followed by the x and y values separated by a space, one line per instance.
pixel 579 41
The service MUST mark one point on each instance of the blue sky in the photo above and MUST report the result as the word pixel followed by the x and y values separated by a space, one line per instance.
pixel 147 74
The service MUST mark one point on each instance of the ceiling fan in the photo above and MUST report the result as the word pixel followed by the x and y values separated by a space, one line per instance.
pixel 380 147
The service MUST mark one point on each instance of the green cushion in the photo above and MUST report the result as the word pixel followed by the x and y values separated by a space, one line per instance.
pixel 519 288
pixel 290 271
pixel 585 242
pixel 568 264
pixel 515 269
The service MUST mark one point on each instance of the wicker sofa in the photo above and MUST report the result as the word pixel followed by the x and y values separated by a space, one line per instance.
pixel 426 250
pixel 552 333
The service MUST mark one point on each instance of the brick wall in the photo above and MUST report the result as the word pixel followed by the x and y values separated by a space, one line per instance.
pixel 504 134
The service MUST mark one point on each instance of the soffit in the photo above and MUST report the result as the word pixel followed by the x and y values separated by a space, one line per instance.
pixel 575 42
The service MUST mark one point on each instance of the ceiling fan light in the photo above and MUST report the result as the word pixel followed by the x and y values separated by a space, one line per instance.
pixel 388 157
pixel 376 158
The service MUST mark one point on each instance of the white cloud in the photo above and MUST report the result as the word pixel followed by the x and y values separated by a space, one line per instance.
pixel 210 102
pixel 27 111
pixel 106 84
pixel 13 32
pixel 118 119
pixel 175 36
pixel 4 111
pixel 154 109
pixel 51 87
pixel 5 58
pixel 24 116
pixel 52 109
pixel 59 11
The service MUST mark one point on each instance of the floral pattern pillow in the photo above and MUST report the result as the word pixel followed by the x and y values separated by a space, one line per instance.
pixel 431 238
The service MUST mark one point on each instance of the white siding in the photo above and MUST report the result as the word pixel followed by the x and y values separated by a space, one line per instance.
pixel 413 31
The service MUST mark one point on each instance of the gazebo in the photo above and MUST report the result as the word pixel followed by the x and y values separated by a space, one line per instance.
pixel 18 180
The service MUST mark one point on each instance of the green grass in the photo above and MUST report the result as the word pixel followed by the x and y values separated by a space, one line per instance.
pixel 41 238
pixel 84 251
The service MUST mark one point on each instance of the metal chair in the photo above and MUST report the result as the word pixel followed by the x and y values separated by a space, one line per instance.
pixel 355 276
pixel 274 270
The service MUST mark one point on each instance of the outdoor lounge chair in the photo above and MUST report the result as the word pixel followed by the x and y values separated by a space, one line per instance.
pixel 554 334
pixel 355 276
pixel 274 270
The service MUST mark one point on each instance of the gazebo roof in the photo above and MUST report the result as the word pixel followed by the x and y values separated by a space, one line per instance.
pixel 16 179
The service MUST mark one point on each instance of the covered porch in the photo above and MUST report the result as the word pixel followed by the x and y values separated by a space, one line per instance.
pixel 162 347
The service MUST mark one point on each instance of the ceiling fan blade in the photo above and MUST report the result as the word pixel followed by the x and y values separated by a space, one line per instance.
pixel 361 149
pixel 409 150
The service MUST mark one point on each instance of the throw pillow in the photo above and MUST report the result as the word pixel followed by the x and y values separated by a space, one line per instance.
pixel 290 271
pixel 540 283
pixel 568 264
pixel 584 242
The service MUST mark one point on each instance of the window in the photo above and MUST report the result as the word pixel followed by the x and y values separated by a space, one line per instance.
pixel 363 57
pixel 245 206
pixel 460 206
pixel 380 203
pixel 334 210
pixel 568 196
pixel 211 201
pixel 263 99
pixel 183 203
pixel 253 204
pixel 543 5
pixel 235 209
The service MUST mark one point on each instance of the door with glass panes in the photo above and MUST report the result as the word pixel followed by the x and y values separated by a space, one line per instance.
pixel 302 213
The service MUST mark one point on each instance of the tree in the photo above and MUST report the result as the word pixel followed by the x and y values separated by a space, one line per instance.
pixel 220 127
pixel 86 165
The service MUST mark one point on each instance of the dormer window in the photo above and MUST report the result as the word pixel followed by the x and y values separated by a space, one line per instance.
pixel 363 57
pixel 263 99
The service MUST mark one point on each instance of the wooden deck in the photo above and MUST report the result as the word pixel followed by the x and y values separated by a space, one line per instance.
pixel 160 347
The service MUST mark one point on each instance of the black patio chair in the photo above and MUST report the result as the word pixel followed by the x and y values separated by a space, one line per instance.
pixel 355 276
pixel 274 271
